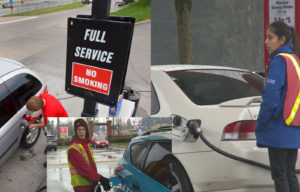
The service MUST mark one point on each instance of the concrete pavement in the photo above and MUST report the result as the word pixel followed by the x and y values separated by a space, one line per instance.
pixel 24 170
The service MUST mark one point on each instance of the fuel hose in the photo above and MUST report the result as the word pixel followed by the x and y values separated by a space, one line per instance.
pixel 234 157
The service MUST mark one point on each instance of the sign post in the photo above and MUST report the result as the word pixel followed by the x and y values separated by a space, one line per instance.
pixel 287 11
pixel 98 49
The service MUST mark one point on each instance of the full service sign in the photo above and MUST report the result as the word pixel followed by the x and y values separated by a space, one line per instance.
pixel 97 56
pixel 283 10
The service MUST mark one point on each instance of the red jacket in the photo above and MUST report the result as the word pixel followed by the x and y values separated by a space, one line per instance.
pixel 79 163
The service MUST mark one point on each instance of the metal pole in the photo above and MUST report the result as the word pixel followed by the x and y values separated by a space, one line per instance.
pixel 100 10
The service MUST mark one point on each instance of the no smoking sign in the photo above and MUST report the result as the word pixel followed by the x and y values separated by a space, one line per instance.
pixel 91 78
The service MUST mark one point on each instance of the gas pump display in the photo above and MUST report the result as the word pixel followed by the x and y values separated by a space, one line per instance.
pixel 281 10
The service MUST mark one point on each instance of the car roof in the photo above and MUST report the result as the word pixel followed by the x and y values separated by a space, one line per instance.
pixel 176 67
pixel 8 65
pixel 153 137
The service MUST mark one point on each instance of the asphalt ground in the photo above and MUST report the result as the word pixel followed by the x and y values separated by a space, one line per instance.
pixel 24 170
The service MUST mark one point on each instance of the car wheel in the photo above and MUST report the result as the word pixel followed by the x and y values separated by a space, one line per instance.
pixel 179 180
pixel 30 137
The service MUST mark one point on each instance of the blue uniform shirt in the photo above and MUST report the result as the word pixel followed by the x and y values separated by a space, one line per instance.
pixel 271 130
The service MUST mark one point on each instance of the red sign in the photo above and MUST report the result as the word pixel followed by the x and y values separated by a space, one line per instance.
pixel 287 11
pixel 63 130
pixel 91 78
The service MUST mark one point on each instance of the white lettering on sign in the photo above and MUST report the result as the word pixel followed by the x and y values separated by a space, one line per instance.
pixel 91 78
pixel 91 83
pixel 90 72
pixel 93 54
pixel 282 10
pixel 95 35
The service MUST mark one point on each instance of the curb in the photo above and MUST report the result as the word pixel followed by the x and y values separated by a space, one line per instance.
pixel 141 22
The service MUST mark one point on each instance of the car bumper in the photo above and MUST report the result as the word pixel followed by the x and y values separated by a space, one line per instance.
pixel 212 171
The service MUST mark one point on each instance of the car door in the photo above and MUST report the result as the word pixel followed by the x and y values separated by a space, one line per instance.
pixel 19 87
pixel 136 176
pixel 9 124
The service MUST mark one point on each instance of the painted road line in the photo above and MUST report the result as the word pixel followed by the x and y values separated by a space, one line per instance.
pixel 13 21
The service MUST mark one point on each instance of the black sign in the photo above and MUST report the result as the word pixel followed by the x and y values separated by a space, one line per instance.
pixel 97 58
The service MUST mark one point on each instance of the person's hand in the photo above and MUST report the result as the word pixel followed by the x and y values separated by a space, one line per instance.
pixel 105 183
pixel 118 169
pixel 30 126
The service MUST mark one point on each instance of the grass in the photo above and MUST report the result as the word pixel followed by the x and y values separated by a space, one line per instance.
pixel 48 10
pixel 140 10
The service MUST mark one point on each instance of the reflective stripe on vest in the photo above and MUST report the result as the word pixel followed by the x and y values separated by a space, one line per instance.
pixel 292 99
pixel 76 179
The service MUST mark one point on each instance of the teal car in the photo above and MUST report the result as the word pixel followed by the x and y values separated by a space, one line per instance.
pixel 148 165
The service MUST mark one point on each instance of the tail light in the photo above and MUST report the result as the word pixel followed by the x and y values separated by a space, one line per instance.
pixel 239 130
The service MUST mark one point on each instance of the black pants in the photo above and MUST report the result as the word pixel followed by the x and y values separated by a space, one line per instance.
pixel 283 162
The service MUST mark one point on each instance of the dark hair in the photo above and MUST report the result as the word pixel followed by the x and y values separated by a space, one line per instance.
pixel 279 28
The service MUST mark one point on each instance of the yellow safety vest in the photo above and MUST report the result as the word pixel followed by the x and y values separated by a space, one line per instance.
pixel 292 99
pixel 76 179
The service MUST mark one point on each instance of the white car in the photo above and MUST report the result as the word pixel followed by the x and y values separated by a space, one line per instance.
pixel 214 114
pixel 17 85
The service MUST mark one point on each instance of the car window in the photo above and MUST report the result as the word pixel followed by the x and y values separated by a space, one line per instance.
pixel 22 87
pixel 210 87
pixel 157 162
pixel 154 101
pixel 50 138
pixel 138 152
pixel 7 107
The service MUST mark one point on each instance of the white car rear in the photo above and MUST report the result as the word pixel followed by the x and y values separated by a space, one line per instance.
pixel 227 102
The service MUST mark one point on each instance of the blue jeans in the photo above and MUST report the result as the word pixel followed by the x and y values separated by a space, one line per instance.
pixel 283 162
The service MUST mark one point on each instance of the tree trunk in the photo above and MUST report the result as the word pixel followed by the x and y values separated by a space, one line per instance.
pixel 184 33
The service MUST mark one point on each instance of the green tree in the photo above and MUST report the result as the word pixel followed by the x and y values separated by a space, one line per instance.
pixel 184 34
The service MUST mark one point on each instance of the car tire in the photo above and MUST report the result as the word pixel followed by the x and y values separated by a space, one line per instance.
pixel 30 137
pixel 179 174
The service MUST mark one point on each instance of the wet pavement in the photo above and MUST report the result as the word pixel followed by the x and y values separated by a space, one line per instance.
pixel 24 170
pixel 58 174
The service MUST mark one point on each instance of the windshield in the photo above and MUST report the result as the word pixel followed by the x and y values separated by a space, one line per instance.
pixel 210 87
pixel 99 138
pixel 51 138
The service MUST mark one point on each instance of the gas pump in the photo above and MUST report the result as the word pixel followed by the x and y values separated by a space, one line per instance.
pixel 287 11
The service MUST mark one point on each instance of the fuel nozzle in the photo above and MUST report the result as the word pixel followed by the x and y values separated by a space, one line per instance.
pixel 29 119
